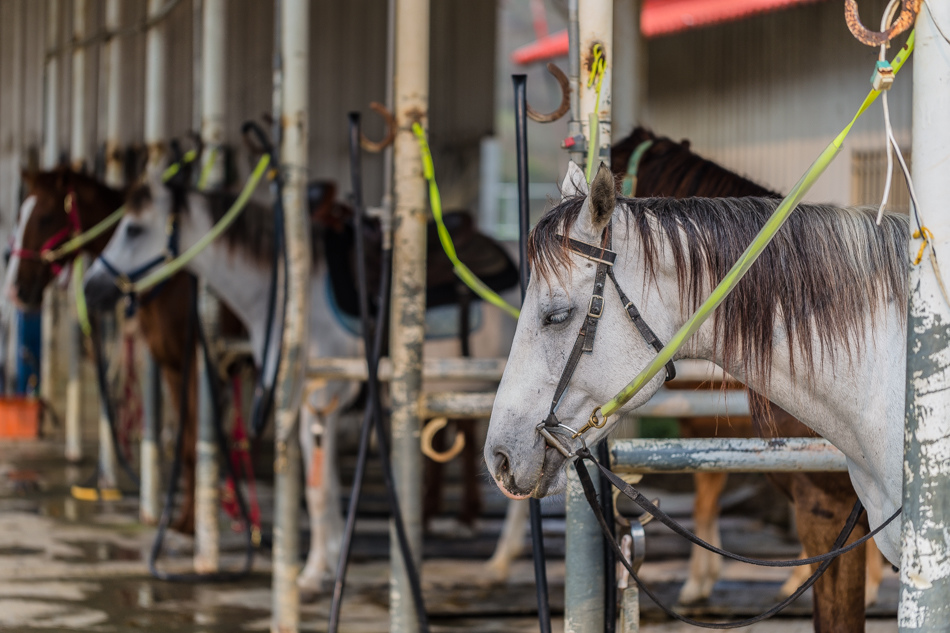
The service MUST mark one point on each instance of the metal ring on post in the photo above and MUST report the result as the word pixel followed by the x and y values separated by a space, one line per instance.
pixel 565 98
pixel 905 20
pixel 428 433
pixel 378 146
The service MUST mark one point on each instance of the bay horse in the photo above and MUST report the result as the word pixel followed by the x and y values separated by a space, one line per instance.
pixel 237 268
pixel 162 319
pixel 818 326
pixel 661 167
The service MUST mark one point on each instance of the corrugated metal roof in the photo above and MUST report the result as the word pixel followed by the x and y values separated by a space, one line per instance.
pixel 661 17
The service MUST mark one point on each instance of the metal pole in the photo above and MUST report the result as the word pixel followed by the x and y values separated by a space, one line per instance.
pixel 73 393
pixel 213 93
pixel 408 295
pixel 292 72
pixel 156 87
pixel 150 488
pixel 108 478
pixel 79 150
pixel 596 27
pixel 207 475
pixel 51 107
pixel 575 133
pixel 584 560
pixel 524 226
pixel 584 588
pixel 925 548
pixel 114 111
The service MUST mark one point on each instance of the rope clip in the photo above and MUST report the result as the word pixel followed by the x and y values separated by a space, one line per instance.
pixel 924 234
pixel 592 423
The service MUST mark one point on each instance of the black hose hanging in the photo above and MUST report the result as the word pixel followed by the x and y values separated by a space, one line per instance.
pixel 194 328
pixel 373 343
pixel 534 505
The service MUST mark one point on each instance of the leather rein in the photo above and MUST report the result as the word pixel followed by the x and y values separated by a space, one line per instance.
pixel 604 257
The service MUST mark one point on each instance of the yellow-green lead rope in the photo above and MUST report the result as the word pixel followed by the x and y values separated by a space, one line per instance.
pixel 435 202
pixel 751 253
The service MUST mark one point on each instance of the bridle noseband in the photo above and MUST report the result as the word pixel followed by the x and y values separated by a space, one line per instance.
pixel 584 343
pixel 47 252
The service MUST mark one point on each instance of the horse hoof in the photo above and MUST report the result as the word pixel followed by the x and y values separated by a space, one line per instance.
pixel 692 593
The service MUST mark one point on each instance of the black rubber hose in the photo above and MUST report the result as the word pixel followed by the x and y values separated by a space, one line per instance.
pixel 373 351
pixel 264 388
pixel 534 505
pixel 610 561
pixel 166 517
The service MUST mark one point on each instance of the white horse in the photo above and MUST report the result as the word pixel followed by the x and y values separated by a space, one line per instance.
pixel 237 268
pixel 818 326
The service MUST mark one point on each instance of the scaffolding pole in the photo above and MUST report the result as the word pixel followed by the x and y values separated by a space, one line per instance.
pixel 925 546
pixel 291 90
pixel 112 61
pixel 408 296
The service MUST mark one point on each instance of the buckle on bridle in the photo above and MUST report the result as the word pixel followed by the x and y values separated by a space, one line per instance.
pixel 595 307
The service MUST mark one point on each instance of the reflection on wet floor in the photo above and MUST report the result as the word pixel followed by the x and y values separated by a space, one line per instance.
pixel 68 565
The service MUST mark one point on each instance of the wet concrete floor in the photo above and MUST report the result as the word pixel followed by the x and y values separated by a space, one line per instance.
pixel 68 565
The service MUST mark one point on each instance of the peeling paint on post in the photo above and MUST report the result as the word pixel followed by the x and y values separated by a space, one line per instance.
pixel 291 92
pixel 925 540
pixel 596 25
pixel 584 559
pixel 408 295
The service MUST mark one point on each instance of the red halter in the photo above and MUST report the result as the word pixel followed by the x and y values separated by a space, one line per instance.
pixel 58 239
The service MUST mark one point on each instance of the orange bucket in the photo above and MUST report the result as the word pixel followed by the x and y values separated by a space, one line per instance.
pixel 19 418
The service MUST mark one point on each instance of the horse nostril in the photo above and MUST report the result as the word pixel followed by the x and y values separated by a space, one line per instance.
pixel 502 467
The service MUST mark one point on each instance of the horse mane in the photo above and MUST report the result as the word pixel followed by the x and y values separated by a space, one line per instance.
pixel 60 179
pixel 669 168
pixel 827 271
pixel 253 230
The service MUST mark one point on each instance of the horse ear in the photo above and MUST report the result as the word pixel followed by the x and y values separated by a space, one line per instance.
pixel 574 183
pixel 603 198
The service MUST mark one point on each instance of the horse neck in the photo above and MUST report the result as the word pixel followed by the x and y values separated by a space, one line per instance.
pixel 825 396
pixel 95 202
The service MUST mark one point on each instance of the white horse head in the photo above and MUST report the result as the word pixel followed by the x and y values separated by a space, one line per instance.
pixel 139 242
pixel 556 306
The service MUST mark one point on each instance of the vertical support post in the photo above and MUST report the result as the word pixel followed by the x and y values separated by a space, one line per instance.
pixel 150 489
pixel 108 478
pixel 156 87
pixel 73 391
pixel 630 609
pixel 79 146
pixel 213 94
pixel 207 475
pixel 925 550
pixel 408 296
pixel 291 88
pixel 112 60
pixel 584 557
pixel 51 107
pixel 630 68
pixel 574 130
pixel 596 27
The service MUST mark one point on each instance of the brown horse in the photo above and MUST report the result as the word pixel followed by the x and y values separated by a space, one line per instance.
pixel 823 501
pixel 162 318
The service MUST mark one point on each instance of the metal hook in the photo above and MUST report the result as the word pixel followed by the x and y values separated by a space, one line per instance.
pixel 390 136
pixel 428 433
pixel 909 11
pixel 565 98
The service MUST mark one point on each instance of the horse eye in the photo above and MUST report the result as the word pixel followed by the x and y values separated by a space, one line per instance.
pixel 558 317
pixel 133 230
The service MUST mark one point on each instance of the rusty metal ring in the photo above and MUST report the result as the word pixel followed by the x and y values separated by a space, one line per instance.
pixel 565 98
pixel 909 10
pixel 428 432
pixel 390 120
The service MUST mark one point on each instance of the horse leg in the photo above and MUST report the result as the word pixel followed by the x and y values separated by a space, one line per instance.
pixel 875 573
pixel 704 566
pixel 472 492
pixel 822 504
pixel 185 523
pixel 511 542
pixel 322 490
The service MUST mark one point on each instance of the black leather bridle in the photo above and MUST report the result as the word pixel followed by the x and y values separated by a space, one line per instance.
pixel 584 343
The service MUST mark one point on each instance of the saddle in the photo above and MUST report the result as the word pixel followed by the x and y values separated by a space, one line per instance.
pixel 487 259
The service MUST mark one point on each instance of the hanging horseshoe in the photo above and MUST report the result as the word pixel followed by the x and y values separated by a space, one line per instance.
pixel 565 98
pixel 909 10
pixel 428 432
pixel 374 146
